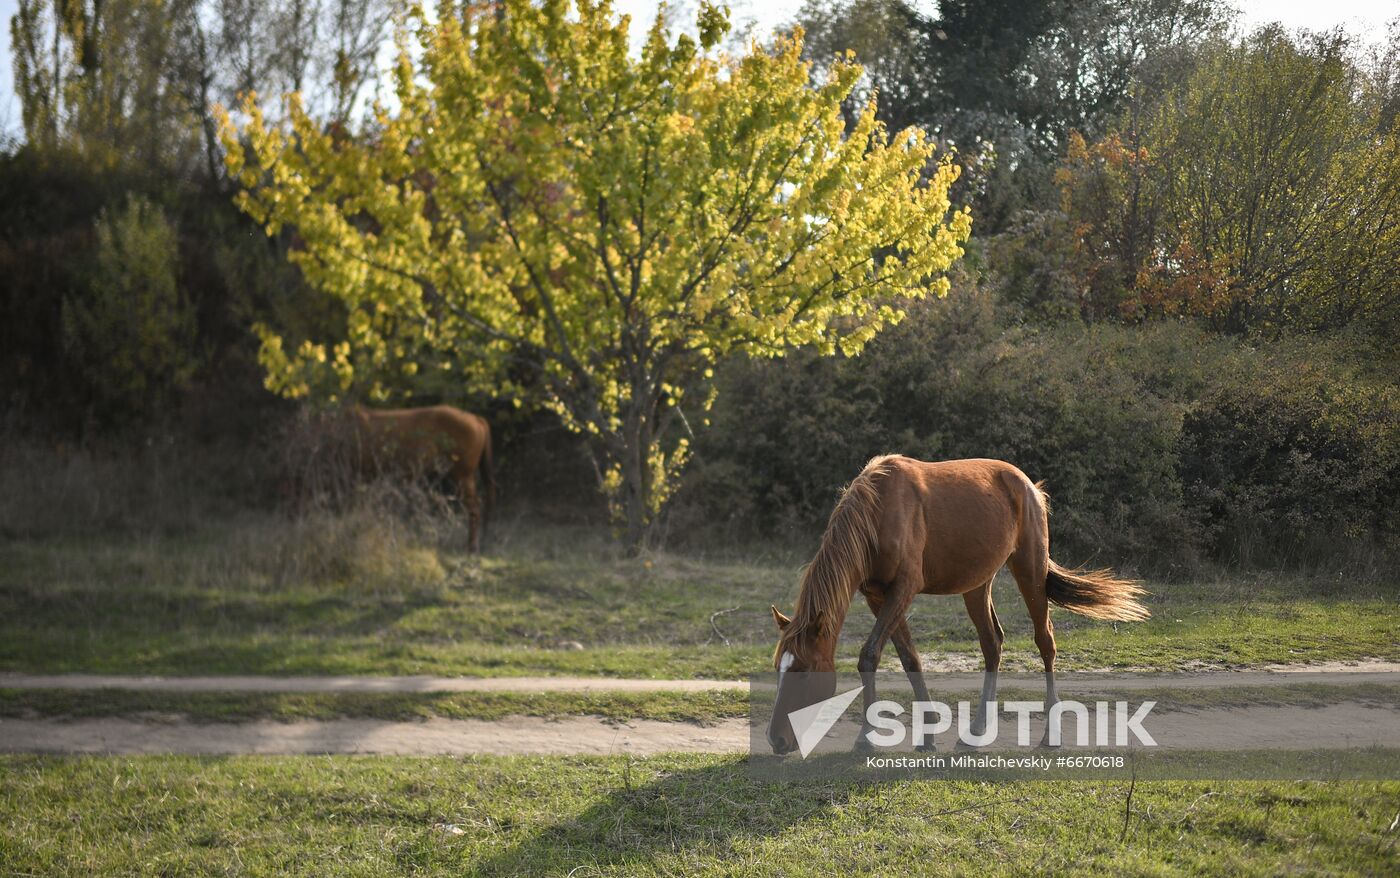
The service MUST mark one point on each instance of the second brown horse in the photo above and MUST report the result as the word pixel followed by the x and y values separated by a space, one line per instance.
pixel 438 439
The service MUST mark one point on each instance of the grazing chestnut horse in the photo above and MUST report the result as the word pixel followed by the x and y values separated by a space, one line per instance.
pixel 905 527
pixel 439 439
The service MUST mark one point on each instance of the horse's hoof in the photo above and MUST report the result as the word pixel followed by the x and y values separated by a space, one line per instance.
pixel 927 747
pixel 862 744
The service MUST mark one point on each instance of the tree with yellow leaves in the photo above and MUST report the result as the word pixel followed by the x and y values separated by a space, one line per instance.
pixel 543 209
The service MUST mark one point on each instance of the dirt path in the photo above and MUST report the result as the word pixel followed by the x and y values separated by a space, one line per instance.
pixel 1343 673
pixel 1350 723
pixel 1284 727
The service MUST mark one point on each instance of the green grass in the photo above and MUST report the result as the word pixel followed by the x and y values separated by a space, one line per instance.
pixel 235 602
pixel 277 598
pixel 701 707
pixel 674 815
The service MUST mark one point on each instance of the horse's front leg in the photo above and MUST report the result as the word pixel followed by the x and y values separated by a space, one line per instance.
pixel 890 614
pixel 913 669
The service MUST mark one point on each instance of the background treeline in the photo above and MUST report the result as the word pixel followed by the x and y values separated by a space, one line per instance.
pixel 1180 309
pixel 129 278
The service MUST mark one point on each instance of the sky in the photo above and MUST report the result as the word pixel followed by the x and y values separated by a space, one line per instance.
pixel 1366 18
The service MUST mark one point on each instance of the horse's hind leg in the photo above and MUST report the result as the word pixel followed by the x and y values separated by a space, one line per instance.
pixel 1029 565
pixel 1030 578
pixel 991 637
pixel 466 491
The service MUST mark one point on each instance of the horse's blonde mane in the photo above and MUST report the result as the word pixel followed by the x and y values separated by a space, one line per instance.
pixel 843 560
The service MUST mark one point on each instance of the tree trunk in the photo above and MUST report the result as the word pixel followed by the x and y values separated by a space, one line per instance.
pixel 636 479
pixel 635 506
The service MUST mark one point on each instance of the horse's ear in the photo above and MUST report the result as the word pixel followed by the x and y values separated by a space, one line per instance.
pixel 779 618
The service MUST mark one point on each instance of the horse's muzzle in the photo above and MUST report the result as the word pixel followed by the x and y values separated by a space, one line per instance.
pixel 780 744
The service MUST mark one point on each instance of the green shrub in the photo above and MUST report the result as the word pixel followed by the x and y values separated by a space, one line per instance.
pixel 1159 444
pixel 1295 457
pixel 130 330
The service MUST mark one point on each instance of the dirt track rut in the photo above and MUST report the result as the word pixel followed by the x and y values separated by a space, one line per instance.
pixel 1290 726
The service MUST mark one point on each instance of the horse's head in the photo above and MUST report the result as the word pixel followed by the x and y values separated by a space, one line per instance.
pixel 806 661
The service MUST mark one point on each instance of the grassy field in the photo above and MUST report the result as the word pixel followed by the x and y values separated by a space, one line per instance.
pixel 285 598
pixel 688 815
pixel 698 707
pixel 357 596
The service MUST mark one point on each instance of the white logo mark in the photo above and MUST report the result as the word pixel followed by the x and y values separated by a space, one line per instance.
pixel 811 724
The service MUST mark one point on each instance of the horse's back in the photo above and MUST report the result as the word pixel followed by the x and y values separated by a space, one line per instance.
pixel 962 517
pixel 431 430
pixel 949 488
pixel 466 428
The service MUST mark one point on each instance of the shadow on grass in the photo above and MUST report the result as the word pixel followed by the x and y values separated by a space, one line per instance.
pixel 691 813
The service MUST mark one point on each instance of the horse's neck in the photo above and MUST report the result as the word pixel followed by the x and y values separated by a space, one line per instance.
pixel 842 563
pixel 832 603
pixel 835 605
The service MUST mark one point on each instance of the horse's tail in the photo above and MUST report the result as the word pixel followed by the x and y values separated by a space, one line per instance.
pixel 842 563
pixel 488 474
pixel 1097 594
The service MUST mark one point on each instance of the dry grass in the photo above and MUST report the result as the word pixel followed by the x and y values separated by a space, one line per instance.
pixel 151 564
pixel 162 485
pixel 278 523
